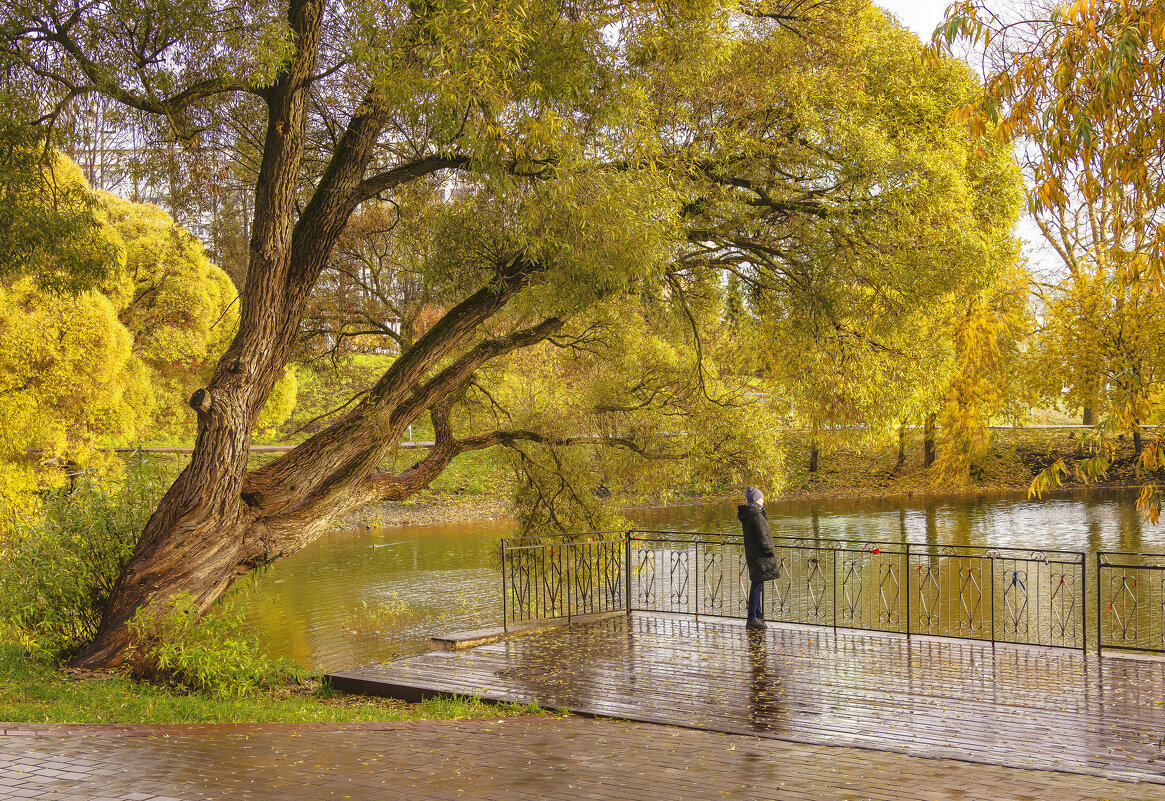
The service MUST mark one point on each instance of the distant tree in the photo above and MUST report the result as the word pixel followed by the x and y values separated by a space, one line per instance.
pixel 49 228
pixel 181 311
pixel 69 382
pixel 1081 84
pixel 106 365
pixel 383 277
pixel 990 336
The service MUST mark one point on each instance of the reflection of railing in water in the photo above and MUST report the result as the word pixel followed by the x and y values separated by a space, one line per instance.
pixel 1025 596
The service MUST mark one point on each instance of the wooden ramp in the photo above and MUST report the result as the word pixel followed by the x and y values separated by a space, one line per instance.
pixel 1015 706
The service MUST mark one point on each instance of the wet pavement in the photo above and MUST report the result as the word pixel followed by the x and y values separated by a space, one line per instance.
pixel 792 714
pixel 514 758
pixel 1014 706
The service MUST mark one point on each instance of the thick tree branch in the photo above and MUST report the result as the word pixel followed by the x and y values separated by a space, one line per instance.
pixel 362 436
pixel 389 179
pixel 458 375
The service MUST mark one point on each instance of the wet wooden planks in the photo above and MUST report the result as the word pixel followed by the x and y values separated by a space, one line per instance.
pixel 1014 706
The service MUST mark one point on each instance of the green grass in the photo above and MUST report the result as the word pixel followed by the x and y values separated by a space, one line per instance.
pixel 476 474
pixel 37 692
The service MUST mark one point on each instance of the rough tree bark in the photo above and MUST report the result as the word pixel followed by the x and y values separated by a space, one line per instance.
pixel 218 521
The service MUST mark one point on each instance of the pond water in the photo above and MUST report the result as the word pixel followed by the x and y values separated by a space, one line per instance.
pixel 355 597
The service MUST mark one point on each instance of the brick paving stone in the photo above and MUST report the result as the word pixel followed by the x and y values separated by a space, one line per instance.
pixel 515 758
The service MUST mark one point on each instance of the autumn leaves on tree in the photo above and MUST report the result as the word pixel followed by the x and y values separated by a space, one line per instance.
pixel 623 241
pixel 1079 88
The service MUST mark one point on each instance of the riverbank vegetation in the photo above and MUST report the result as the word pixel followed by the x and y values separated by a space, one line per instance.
pixel 595 255
pixel 36 690
pixel 183 667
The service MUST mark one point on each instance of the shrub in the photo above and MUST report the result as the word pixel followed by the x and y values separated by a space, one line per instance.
pixel 213 653
pixel 57 571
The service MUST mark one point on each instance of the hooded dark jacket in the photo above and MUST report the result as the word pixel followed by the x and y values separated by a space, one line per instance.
pixel 758 543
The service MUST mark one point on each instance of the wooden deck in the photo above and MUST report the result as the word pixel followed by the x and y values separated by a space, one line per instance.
pixel 1014 706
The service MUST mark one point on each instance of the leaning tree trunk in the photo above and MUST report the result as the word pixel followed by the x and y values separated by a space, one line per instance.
pixel 218 521
pixel 201 533
pixel 212 526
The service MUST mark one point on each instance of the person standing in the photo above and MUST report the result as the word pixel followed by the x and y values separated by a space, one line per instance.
pixel 758 552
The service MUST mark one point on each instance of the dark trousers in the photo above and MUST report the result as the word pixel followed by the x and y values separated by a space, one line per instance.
pixel 756 601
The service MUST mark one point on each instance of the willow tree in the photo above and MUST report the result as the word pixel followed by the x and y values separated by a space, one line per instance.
pixel 1080 84
pixel 339 105
pixel 573 229
pixel 862 222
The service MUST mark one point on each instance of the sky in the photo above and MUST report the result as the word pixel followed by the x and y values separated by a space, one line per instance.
pixel 920 16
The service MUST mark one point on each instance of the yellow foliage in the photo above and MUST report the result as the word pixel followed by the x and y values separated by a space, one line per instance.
pixel 179 307
pixel 280 404
pixel 116 363
pixel 69 382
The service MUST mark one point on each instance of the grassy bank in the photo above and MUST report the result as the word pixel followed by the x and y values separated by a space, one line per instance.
pixel 1014 459
pixel 34 691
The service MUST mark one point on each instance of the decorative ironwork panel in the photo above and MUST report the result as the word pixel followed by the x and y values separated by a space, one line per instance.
pixel 1131 601
pixel 552 583
pixel 521 585
pixel 678 576
pixel 1015 602
pixel 930 590
pixel 645 579
pixel 613 555
pixel 889 595
pixel 782 597
pixel 1062 596
pixel 971 598
pixel 816 584
pixel 851 589
pixel 712 598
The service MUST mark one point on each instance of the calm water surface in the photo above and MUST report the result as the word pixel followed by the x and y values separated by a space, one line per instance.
pixel 355 597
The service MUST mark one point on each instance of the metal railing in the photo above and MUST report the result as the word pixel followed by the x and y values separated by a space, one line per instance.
pixel 1130 601
pixel 1013 595
pixel 575 574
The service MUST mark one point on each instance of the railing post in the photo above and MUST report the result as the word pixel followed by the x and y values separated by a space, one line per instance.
pixel 1099 617
pixel 696 587
pixel 505 617
pixel 992 564
pixel 566 590
pixel 908 591
pixel 627 565
pixel 835 553
pixel 1084 604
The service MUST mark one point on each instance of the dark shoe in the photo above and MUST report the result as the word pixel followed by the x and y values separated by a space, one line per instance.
pixel 755 623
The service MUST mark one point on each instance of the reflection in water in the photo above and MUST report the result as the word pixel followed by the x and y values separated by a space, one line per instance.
pixel 438 579
pixel 764 692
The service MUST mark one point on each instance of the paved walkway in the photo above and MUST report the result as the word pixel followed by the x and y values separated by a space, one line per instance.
pixel 792 714
pixel 1046 709
pixel 515 758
